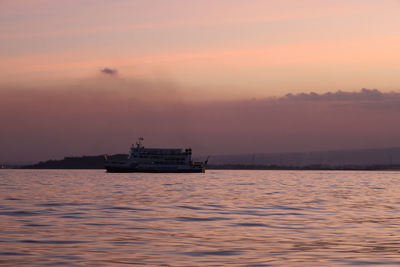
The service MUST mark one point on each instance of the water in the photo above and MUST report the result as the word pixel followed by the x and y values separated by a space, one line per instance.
pixel 240 218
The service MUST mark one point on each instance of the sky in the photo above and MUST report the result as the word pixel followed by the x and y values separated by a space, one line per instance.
pixel 90 76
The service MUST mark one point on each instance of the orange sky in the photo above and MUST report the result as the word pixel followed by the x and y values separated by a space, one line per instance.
pixel 256 49
pixel 90 76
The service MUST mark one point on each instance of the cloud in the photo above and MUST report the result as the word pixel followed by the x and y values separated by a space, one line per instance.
pixel 365 98
pixel 363 95
pixel 109 71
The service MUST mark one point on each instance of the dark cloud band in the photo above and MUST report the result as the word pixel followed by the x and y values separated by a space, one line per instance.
pixel 104 115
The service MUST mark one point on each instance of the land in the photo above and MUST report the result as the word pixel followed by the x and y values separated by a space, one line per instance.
pixel 367 159
pixel 84 162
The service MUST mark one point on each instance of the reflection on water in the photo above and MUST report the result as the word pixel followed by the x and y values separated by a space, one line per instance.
pixel 248 218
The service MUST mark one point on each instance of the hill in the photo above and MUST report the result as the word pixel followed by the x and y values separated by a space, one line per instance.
pixel 364 157
pixel 85 162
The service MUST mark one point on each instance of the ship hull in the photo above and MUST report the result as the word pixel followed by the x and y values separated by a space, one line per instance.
pixel 153 170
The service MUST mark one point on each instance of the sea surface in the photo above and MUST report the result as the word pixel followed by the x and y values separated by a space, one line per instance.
pixel 233 218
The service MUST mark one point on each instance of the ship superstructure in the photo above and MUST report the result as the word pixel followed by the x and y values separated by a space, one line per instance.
pixel 143 159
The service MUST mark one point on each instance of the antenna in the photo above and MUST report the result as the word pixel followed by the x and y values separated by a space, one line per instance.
pixel 139 142
pixel 205 162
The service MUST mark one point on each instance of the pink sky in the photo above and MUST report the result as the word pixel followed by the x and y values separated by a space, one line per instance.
pixel 262 48
pixel 206 74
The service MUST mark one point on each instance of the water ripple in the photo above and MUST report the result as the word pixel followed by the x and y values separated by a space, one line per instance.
pixel 232 218
pixel 53 242
pixel 199 219
pixel 213 253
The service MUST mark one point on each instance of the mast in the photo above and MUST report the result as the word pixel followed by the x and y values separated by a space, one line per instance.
pixel 139 142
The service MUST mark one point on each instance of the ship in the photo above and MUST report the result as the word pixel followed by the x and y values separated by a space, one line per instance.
pixel 158 160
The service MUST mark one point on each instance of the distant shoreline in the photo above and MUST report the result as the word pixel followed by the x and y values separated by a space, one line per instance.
pixel 306 168
pixel 230 167
pixel 243 168
pixel 336 160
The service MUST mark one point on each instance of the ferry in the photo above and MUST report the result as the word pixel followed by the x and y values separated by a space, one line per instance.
pixel 161 160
